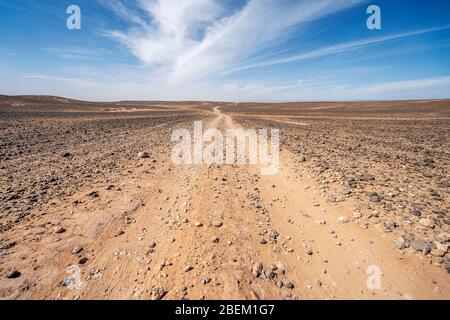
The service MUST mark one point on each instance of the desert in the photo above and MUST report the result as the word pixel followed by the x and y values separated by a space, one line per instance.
pixel 93 207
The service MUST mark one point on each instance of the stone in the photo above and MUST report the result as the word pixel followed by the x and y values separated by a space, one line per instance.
pixel 157 293
pixel 309 251
pixel 346 191
pixel 69 281
pixel 59 230
pixel 441 246
pixel 438 253
pixel 77 250
pixel 263 241
pixel 331 199
pixel 206 280
pixel 143 155
pixel 421 246
pixel 270 275
pixel 257 269
pixel 198 224
pixel 287 284
pixel 83 260
pixel 416 212
pixel 217 224
pixel 14 274
pixel 188 268
pixel 93 194
pixel 374 197
pixel 274 235
pixel 8 246
pixel 215 239
pixel 285 295
pixel 342 219
pixel 357 215
pixel 426 222
pixel 400 243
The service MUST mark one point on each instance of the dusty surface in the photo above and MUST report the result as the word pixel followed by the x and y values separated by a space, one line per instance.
pixel 75 195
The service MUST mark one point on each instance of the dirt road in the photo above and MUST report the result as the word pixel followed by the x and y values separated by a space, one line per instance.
pixel 165 231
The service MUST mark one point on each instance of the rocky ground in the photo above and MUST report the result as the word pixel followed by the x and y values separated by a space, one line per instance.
pixel 91 206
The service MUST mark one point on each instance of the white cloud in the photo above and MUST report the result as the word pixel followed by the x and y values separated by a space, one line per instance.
pixel 194 39
pixel 340 48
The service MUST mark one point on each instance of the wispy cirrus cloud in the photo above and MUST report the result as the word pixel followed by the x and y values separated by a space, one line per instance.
pixel 194 39
pixel 340 48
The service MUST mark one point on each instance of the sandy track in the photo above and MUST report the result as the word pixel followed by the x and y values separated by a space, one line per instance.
pixel 153 236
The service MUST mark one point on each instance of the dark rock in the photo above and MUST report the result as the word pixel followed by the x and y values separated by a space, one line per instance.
pixel 287 284
pixel 257 269
pixel 77 250
pixel 421 246
pixel 346 191
pixel 375 197
pixel 13 274
pixel 274 235
pixel 270 275
pixel 8 246
pixel 416 212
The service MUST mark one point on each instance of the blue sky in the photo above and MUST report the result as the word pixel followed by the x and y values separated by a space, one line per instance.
pixel 234 50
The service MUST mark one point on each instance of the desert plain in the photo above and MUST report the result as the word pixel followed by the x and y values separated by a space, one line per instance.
pixel 92 207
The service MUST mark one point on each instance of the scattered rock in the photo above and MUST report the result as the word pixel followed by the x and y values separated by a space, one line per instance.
pixel 438 253
pixel 8 246
pixel 69 281
pixel 287 284
pixel 59 230
pixel 77 250
pixel 14 274
pixel 206 280
pixel 157 293
pixel 357 215
pixel 342 219
pixel 215 239
pixel 426 222
pixel 270 275
pixel 143 155
pixel 346 191
pixel 286 295
pixel 257 269
pixel 421 246
pixel 374 197
pixel 331 199
pixel 93 194
pixel 217 224
pixel 274 235
pixel 400 243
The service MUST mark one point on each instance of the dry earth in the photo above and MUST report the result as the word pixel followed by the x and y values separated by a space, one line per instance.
pixel 75 194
